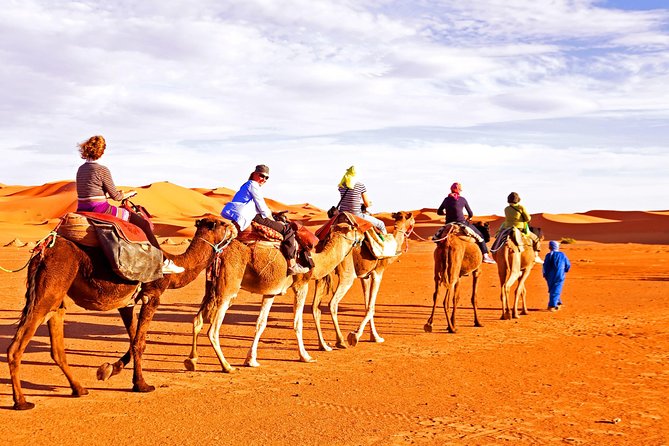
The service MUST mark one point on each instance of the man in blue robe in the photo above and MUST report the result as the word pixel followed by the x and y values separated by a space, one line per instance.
pixel 556 265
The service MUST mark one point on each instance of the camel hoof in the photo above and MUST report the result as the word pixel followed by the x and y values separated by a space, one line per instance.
pixel 341 345
pixel 251 363
pixel 79 391
pixel 378 339
pixel 352 339
pixel 190 364
pixel 478 324
pixel 104 371
pixel 307 359
pixel 24 406
pixel 325 348
pixel 525 313
pixel 427 328
pixel 145 388
pixel 452 330
pixel 229 369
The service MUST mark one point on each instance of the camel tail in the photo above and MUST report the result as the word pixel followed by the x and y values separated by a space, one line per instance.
pixel 34 268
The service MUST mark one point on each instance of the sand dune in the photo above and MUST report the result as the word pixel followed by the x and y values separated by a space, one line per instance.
pixel 30 212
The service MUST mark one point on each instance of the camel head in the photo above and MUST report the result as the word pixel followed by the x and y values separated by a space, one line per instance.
pixel 484 229
pixel 215 229
pixel 404 220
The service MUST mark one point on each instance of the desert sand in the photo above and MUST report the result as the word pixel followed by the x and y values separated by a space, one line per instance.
pixel 593 373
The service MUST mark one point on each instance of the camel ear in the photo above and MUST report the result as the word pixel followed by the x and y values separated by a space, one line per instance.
pixel 198 223
pixel 408 215
pixel 395 215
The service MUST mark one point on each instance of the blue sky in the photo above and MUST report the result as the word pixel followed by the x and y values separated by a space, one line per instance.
pixel 564 102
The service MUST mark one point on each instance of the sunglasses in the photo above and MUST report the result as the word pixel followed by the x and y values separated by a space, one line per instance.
pixel 263 176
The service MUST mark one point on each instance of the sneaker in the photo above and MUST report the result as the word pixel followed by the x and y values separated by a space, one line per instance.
pixel 297 269
pixel 553 309
pixel 538 260
pixel 488 259
pixel 169 267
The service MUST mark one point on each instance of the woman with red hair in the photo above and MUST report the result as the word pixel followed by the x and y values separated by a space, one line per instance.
pixel 95 184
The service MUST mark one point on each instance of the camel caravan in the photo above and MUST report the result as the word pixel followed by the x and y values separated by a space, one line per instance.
pixel 103 261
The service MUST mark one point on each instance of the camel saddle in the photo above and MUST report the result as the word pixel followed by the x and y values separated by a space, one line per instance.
pixel 260 233
pixel 358 222
pixel 464 232
pixel 505 233
pixel 124 244
pixel 77 227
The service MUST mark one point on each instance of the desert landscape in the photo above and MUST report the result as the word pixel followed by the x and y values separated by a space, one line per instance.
pixel 592 373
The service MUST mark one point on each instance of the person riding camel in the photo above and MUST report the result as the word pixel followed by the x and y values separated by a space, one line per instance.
pixel 249 205
pixel 94 184
pixel 517 217
pixel 354 196
pixel 453 207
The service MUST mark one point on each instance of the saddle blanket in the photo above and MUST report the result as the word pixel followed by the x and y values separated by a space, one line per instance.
pixel 464 228
pixel 503 235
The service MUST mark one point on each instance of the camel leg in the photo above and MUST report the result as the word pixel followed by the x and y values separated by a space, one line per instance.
pixel 214 334
pixel 345 282
pixel 261 323
pixel 366 284
pixel 107 370
pixel 27 328
pixel 139 343
pixel 44 296
pixel 450 292
pixel 475 279
pixel 456 299
pixel 316 312
pixel 437 283
pixel 370 288
pixel 198 322
pixel 523 300
pixel 521 291
pixel 55 323
pixel 298 322
pixel 373 334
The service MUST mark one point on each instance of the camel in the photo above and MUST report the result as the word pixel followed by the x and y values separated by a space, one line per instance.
pixel 262 270
pixel 508 258
pixel 455 256
pixel 526 264
pixel 363 265
pixel 84 274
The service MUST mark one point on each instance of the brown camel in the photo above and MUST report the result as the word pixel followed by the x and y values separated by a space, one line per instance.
pixel 262 270
pixel 455 256
pixel 527 262
pixel 84 274
pixel 508 258
pixel 362 264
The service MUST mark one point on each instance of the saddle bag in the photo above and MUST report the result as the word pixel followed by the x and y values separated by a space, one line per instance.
pixel 135 261
pixel 305 238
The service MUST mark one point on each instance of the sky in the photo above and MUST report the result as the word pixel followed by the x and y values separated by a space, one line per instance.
pixel 564 101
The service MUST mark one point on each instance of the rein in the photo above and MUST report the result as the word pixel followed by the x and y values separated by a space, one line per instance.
pixel 407 234
pixel 218 247
pixel 37 250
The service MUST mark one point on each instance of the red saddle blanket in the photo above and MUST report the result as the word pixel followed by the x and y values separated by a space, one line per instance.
pixel 259 233
pixel 127 230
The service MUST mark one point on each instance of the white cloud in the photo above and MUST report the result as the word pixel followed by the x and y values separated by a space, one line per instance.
pixel 201 91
